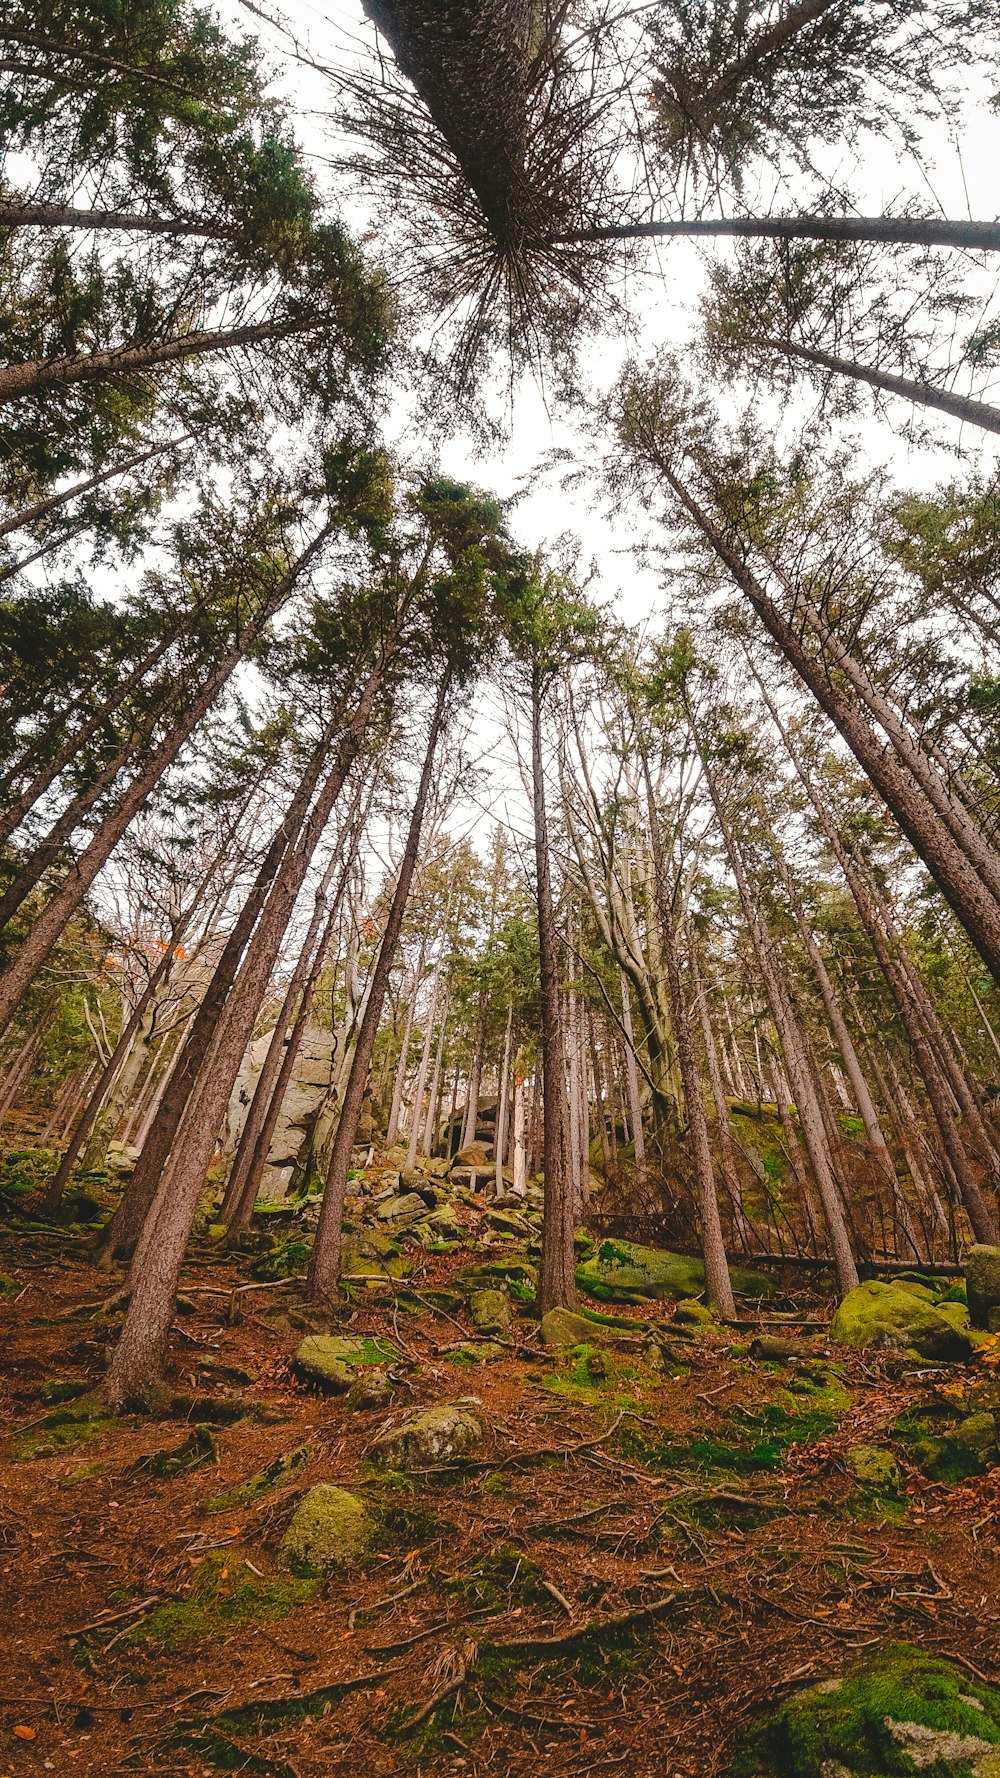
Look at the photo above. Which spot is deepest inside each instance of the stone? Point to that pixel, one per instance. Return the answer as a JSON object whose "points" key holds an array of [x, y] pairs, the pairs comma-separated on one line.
{"points": [[977, 1433], [478, 1352], [330, 1361], [874, 1468], [372, 1390], [982, 1282], [474, 1154], [694, 1314], [407, 1207], [436, 1435], [490, 1311], [901, 1316], [561, 1327], [621, 1271], [444, 1225], [897, 1710], [330, 1529]]}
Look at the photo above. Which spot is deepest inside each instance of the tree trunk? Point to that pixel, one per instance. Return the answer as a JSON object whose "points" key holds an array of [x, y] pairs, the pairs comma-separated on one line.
{"points": [[40, 374], [30, 515], [960, 407], [501, 1123], [632, 1076], [324, 1266], [141, 1351], [718, 1284], [914, 231], [27, 213], [403, 1065], [727, 1151], [20, 974], [962, 887], [557, 1280]]}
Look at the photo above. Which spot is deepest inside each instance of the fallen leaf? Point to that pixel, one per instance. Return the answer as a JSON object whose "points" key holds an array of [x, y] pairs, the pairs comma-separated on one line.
{"points": [[23, 1733]]}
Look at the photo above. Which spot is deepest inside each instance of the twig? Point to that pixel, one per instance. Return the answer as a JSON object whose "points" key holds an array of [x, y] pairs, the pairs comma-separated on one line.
{"points": [[560, 1598], [102, 1623], [613, 1625]]}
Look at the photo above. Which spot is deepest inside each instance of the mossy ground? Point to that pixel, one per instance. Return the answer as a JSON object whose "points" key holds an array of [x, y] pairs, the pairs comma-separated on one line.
{"points": [[603, 1484]]}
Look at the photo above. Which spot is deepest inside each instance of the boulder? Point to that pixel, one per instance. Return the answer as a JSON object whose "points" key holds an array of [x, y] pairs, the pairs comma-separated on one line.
{"points": [[434, 1436], [620, 1271], [407, 1207], [561, 1327], [329, 1361], [330, 1529], [898, 1710], [474, 1154], [693, 1314], [371, 1390], [478, 1352], [490, 1310], [901, 1316], [982, 1284], [874, 1468], [978, 1434]]}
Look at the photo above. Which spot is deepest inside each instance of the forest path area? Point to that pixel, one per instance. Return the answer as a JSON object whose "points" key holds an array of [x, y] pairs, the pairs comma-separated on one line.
{"points": [[647, 1542]]}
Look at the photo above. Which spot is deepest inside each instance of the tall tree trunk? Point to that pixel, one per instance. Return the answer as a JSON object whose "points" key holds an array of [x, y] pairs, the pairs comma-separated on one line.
{"points": [[960, 407], [557, 1281], [632, 1076], [403, 1064], [962, 887], [141, 1351], [499, 1154], [20, 974], [76, 368], [30, 515], [416, 1117], [790, 1038], [313, 944], [324, 1266], [435, 1092], [717, 1280], [913, 231], [727, 1151]]}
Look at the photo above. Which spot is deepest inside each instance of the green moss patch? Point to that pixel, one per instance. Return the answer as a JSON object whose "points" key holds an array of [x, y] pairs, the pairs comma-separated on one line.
{"points": [[199, 1447], [500, 1580], [898, 1711], [274, 1474], [225, 1592]]}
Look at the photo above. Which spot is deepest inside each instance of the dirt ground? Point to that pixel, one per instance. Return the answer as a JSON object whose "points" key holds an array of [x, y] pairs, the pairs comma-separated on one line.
{"points": [[627, 1571]]}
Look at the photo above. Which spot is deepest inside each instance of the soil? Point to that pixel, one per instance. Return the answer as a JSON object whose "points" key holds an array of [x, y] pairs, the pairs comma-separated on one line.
{"points": [[698, 1537]]}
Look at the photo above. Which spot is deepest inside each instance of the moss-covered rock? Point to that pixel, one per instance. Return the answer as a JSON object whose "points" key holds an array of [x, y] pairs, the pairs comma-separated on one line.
{"points": [[437, 1435], [621, 1271], [490, 1311], [330, 1361], [901, 1316], [331, 1528], [874, 1468], [899, 1711], [982, 1284], [369, 1391], [478, 1352], [693, 1314], [561, 1327]]}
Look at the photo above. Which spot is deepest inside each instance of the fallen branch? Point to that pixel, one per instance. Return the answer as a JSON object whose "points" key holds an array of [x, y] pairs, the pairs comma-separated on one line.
{"points": [[594, 1629]]}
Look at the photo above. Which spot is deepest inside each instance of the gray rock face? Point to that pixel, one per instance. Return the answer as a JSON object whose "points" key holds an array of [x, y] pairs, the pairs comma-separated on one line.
{"points": [[560, 1327], [307, 1091], [331, 1529], [434, 1436]]}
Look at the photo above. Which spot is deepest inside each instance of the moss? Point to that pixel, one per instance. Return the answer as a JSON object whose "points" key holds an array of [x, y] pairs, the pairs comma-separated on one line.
{"points": [[497, 1484], [199, 1447], [225, 1592], [289, 1260], [412, 1524], [846, 1724], [755, 1441], [56, 1390], [500, 1580], [331, 1528], [57, 1436], [281, 1469]]}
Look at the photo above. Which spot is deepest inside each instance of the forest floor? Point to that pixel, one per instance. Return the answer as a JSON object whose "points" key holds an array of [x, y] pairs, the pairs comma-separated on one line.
{"points": [[630, 1568]]}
